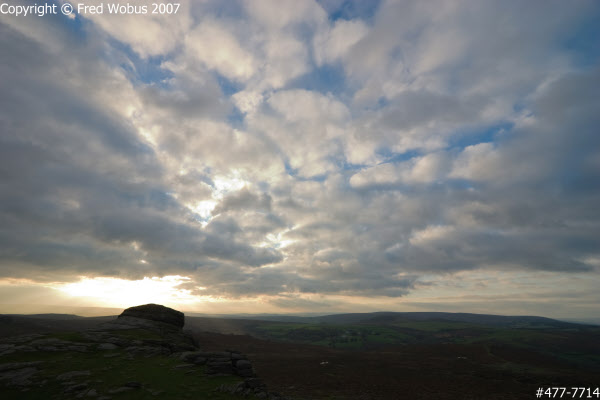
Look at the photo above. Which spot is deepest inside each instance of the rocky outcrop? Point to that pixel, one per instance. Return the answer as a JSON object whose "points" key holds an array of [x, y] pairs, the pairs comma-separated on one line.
{"points": [[221, 362], [150, 331], [152, 317], [19, 373], [155, 312]]}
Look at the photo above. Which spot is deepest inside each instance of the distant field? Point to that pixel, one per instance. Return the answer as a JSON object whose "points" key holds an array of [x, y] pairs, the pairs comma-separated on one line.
{"points": [[335, 336], [580, 344]]}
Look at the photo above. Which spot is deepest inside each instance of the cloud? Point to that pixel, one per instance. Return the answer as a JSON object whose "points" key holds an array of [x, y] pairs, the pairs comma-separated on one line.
{"points": [[336, 42], [244, 199], [218, 49], [152, 35], [286, 14], [86, 194], [294, 152], [430, 168]]}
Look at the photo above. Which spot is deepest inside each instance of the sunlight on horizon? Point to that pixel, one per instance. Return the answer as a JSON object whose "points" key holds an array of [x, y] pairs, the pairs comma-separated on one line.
{"points": [[121, 292]]}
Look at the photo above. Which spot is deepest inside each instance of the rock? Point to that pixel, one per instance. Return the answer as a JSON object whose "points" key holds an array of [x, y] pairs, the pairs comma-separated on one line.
{"points": [[184, 366], [6, 348], [164, 336], [120, 390], [18, 377], [76, 388], [243, 364], [189, 355], [199, 360], [50, 348], [155, 312], [195, 357], [147, 351], [214, 354], [24, 348], [49, 341], [219, 368], [245, 373], [78, 348], [23, 338], [72, 374], [254, 383], [251, 387], [19, 365]]}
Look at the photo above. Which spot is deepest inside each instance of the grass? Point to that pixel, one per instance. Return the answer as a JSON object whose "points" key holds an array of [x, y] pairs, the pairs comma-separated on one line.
{"points": [[157, 375], [434, 326], [338, 336], [139, 334], [68, 336]]}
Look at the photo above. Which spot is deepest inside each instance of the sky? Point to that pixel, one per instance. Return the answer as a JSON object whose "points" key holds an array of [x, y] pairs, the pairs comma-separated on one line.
{"points": [[284, 156]]}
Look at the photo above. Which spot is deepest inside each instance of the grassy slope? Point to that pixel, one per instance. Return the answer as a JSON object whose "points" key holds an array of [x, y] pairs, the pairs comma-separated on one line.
{"points": [[111, 369]]}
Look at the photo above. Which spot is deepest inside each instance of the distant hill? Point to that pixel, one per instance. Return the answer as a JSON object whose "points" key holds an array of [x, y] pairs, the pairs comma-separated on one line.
{"points": [[16, 324], [479, 319], [47, 316], [587, 321], [11, 324], [390, 318]]}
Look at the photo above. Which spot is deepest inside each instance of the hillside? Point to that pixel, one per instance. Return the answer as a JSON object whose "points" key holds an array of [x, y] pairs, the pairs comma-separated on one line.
{"points": [[368, 356], [399, 317], [141, 354]]}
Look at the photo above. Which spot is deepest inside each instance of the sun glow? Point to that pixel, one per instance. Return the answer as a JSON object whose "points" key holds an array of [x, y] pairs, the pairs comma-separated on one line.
{"points": [[115, 292], [226, 184], [204, 208], [277, 241], [222, 185]]}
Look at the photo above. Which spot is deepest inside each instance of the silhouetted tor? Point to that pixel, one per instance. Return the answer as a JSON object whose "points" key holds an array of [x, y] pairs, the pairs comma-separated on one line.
{"points": [[156, 312]]}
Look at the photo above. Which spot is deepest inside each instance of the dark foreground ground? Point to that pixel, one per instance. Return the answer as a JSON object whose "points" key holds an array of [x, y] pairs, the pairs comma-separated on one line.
{"points": [[389, 358], [432, 371]]}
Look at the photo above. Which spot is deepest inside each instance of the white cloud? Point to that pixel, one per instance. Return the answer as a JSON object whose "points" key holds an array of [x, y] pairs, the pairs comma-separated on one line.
{"points": [[247, 101], [286, 58], [474, 135], [298, 106], [218, 49], [148, 35], [334, 43], [280, 14], [426, 169], [478, 162], [431, 233]]}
